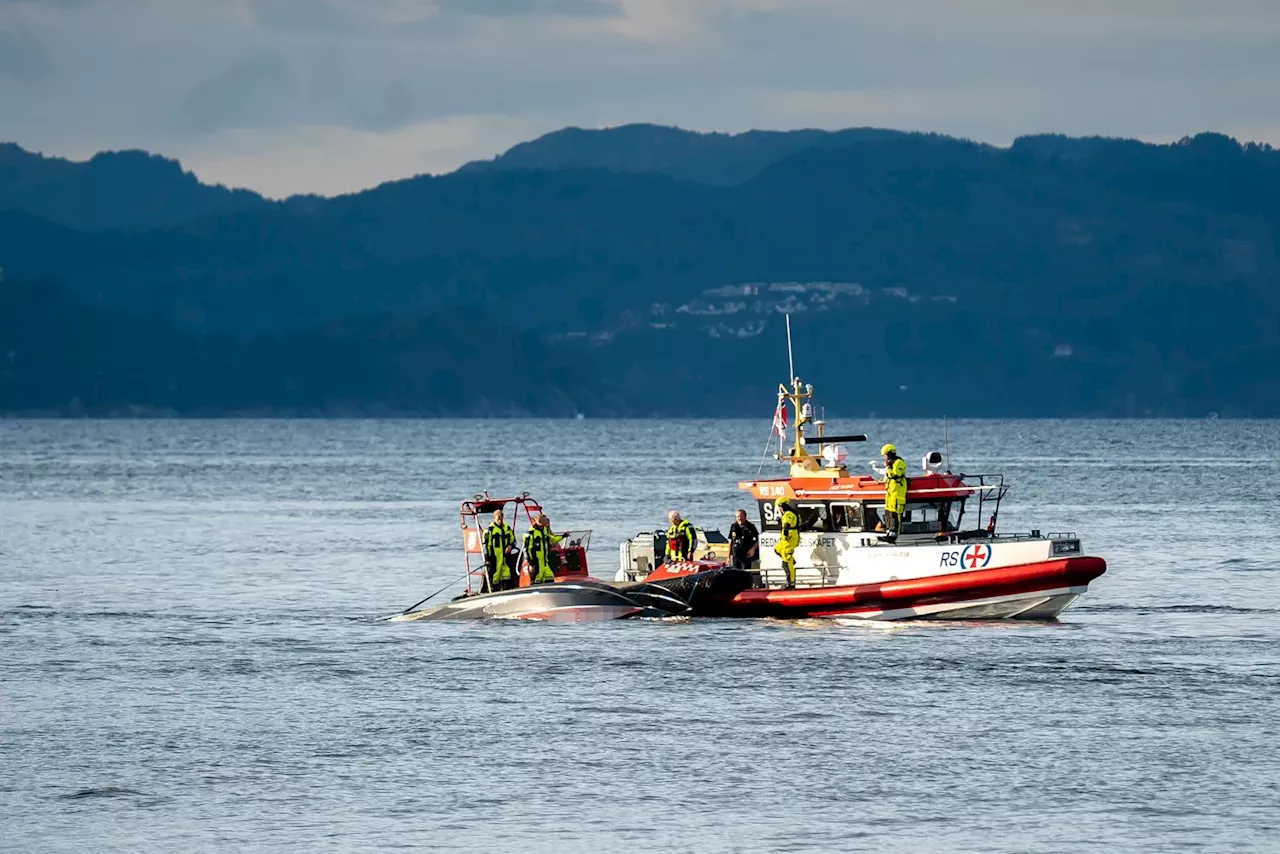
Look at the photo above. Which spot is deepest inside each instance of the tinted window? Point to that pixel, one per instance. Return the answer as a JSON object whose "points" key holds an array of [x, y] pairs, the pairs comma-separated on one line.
{"points": [[813, 515], [920, 519], [846, 517], [930, 517]]}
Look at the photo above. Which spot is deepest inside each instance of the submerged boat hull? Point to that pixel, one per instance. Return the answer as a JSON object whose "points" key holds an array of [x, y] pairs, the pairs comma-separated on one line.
{"points": [[568, 602], [1034, 591]]}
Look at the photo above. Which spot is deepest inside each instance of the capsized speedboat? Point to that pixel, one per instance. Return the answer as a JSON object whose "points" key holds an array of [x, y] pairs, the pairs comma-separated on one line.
{"points": [[569, 601], [940, 567], [574, 596]]}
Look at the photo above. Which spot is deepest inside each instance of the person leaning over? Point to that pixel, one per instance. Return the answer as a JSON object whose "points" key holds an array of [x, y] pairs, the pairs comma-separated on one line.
{"points": [[681, 538]]}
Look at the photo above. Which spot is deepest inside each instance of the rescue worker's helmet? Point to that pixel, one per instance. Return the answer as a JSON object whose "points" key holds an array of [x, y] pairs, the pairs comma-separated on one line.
{"points": [[888, 449], [779, 501]]}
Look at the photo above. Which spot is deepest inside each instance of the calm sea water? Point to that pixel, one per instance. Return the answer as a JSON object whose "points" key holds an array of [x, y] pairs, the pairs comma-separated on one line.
{"points": [[191, 659]]}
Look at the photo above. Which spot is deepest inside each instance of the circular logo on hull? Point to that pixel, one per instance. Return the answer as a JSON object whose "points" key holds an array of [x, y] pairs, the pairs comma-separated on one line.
{"points": [[975, 556]]}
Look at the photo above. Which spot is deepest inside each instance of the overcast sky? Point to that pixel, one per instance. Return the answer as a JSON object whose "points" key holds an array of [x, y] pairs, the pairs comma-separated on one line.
{"points": [[335, 95]]}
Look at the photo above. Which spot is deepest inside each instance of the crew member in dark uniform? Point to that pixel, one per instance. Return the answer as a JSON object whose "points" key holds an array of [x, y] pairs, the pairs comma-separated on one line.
{"points": [[744, 541]]}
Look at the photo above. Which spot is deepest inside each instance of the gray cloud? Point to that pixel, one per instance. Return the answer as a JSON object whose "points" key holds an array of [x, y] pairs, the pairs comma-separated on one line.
{"points": [[22, 56], [314, 15], [255, 90], [517, 8], [64, 4]]}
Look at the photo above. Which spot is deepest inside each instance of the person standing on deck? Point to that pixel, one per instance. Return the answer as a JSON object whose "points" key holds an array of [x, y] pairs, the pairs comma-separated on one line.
{"points": [[500, 553], [789, 540], [895, 492], [537, 550], [681, 538], [744, 541]]}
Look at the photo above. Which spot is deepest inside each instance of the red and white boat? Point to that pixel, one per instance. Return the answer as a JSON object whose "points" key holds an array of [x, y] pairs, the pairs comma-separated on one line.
{"points": [[942, 566]]}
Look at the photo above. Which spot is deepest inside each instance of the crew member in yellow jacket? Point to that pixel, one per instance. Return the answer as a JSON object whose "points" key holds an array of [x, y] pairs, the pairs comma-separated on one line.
{"points": [[895, 492], [537, 551], [789, 540], [500, 553], [682, 539]]}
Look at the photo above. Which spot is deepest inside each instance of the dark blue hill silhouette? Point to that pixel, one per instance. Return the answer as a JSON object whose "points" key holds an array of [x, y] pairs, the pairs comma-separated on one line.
{"points": [[709, 158], [1208, 170], [1056, 277], [61, 356], [123, 190]]}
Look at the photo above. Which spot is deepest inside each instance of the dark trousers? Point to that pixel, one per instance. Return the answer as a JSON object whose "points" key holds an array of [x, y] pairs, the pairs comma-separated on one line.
{"points": [[892, 524], [741, 560]]}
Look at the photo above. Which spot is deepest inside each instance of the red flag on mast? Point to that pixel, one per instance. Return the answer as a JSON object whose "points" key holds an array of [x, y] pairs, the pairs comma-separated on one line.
{"points": [[780, 419]]}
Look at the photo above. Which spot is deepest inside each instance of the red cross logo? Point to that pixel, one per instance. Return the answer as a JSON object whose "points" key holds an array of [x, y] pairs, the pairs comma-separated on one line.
{"points": [[976, 556]]}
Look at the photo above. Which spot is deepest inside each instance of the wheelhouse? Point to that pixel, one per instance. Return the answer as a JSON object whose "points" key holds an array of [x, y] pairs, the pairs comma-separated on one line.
{"points": [[937, 504], [853, 516]]}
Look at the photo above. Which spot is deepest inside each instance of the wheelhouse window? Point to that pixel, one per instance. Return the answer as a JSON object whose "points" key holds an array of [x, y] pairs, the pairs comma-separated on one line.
{"points": [[919, 517], [872, 517], [949, 513], [846, 517], [813, 515]]}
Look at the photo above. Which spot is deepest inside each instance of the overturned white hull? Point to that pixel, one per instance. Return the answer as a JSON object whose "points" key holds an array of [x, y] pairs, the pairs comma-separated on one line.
{"points": [[570, 601]]}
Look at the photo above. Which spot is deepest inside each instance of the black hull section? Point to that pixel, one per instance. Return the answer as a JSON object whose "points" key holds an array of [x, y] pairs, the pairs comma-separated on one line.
{"points": [[658, 601], [709, 590]]}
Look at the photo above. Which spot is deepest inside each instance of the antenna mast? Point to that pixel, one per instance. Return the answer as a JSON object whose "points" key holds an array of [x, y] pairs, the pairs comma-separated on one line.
{"points": [[791, 363], [946, 444]]}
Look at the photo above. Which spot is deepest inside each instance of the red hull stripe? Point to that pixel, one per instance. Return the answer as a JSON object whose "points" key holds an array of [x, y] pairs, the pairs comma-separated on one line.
{"points": [[915, 592]]}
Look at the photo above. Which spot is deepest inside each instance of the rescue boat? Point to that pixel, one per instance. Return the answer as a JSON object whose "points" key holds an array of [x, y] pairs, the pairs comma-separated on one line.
{"points": [[945, 563]]}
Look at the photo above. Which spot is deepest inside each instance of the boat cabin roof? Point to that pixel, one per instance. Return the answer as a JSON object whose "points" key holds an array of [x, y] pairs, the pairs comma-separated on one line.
{"points": [[483, 505], [927, 486]]}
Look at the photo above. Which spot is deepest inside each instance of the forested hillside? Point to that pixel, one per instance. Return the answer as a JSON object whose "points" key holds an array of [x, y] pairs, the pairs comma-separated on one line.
{"points": [[645, 270]]}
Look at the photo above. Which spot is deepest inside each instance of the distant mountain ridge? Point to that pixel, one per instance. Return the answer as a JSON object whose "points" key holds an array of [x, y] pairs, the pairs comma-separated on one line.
{"points": [[151, 191], [117, 190], [709, 158], [1054, 277]]}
